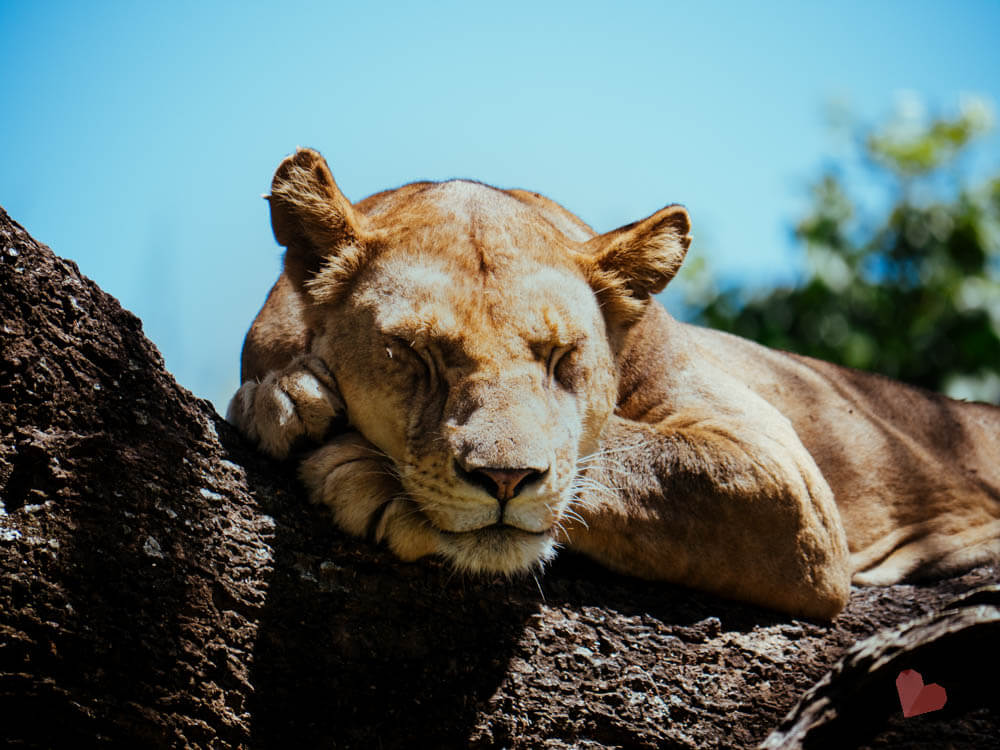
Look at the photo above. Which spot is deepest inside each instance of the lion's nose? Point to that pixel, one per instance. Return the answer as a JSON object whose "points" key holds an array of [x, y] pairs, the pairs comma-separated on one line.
{"points": [[503, 484]]}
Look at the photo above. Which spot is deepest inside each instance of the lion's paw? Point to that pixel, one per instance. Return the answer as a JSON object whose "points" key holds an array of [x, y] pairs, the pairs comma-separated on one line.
{"points": [[357, 482], [407, 531], [300, 401]]}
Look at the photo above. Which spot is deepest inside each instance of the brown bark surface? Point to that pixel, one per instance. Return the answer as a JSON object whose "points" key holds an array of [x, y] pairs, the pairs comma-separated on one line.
{"points": [[856, 703], [162, 585]]}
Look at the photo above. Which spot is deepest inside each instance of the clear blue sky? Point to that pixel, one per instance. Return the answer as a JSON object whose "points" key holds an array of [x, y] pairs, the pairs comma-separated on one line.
{"points": [[137, 138]]}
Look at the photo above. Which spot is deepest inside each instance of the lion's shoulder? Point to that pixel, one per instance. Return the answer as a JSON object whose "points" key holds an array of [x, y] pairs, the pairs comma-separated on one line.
{"points": [[277, 335]]}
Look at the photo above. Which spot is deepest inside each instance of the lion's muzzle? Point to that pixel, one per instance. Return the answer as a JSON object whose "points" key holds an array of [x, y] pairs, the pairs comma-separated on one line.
{"points": [[503, 484]]}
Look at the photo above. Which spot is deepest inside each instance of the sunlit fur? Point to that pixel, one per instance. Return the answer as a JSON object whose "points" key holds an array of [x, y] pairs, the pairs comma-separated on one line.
{"points": [[483, 397], [445, 328]]}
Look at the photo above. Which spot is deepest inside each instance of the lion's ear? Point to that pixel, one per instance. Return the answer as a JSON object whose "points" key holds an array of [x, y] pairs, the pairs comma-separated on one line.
{"points": [[627, 265], [318, 225]]}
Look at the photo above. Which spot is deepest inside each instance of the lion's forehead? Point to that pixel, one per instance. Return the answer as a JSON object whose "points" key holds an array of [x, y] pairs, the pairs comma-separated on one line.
{"points": [[428, 296], [473, 225], [471, 199]]}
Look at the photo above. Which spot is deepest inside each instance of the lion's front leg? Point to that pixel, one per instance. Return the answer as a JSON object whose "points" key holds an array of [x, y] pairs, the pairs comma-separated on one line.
{"points": [[357, 482], [722, 506], [300, 401]]}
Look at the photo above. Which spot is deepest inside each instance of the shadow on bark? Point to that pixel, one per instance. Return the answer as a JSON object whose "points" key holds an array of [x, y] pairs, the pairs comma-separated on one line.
{"points": [[359, 650]]}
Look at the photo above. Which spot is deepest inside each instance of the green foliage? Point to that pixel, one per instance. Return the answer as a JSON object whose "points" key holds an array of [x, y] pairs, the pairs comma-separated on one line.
{"points": [[912, 291]]}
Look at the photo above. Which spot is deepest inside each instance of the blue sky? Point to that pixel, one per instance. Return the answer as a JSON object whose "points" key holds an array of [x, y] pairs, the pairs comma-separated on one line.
{"points": [[137, 138]]}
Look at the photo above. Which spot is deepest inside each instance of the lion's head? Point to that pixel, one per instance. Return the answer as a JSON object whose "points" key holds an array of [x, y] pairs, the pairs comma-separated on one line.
{"points": [[472, 340]]}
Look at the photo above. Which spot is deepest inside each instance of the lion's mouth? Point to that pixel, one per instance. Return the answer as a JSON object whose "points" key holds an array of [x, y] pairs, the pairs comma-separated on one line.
{"points": [[497, 530], [497, 548]]}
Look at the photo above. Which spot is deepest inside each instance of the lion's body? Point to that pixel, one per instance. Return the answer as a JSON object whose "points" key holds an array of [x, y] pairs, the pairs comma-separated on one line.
{"points": [[916, 475], [509, 383]]}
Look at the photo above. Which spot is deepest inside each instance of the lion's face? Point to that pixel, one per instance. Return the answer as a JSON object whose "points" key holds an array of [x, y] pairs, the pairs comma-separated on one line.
{"points": [[478, 362], [470, 341]]}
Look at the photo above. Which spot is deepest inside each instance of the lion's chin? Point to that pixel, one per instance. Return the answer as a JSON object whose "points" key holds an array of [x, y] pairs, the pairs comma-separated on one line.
{"points": [[498, 549]]}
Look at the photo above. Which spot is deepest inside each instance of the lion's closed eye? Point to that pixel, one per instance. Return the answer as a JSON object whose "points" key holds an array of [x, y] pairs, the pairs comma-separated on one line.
{"points": [[562, 366], [416, 357]]}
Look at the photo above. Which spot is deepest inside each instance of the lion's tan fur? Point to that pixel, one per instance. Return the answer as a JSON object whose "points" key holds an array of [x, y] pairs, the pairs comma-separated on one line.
{"points": [[468, 332]]}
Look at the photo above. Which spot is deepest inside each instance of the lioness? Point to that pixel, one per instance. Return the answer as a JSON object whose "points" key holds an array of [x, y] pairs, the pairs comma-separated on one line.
{"points": [[504, 383]]}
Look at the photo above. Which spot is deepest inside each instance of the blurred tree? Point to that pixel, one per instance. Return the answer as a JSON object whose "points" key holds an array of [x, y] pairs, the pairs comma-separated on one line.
{"points": [[912, 292]]}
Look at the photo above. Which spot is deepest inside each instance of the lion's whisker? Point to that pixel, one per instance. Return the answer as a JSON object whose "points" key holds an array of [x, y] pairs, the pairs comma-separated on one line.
{"points": [[574, 516], [538, 584], [562, 530], [598, 488]]}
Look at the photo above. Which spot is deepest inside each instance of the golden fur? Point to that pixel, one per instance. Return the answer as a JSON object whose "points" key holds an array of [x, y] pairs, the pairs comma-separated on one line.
{"points": [[509, 385]]}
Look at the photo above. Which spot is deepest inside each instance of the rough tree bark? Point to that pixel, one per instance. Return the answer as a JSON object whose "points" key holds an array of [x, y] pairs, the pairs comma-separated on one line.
{"points": [[856, 702], [162, 585]]}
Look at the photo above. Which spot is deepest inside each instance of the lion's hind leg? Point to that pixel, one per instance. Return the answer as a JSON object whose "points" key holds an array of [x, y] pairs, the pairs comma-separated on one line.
{"points": [[924, 551]]}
